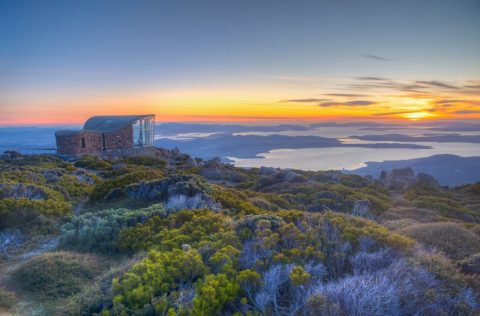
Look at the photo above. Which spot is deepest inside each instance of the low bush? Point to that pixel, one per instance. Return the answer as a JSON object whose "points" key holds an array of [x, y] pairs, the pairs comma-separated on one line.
{"points": [[22, 212], [97, 295], [145, 161], [92, 162], [101, 190], [399, 289], [234, 200], [445, 206], [98, 232], [55, 274], [74, 187], [453, 239]]}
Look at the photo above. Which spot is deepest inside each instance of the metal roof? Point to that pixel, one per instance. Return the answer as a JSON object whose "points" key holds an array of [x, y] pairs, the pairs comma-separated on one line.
{"points": [[112, 123]]}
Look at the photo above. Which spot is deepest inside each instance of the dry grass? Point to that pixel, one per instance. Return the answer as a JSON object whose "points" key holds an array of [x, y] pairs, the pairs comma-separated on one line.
{"points": [[55, 274], [453, 239]]}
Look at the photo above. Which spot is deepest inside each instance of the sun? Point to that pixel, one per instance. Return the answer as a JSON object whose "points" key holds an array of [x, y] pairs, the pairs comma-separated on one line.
{"points": [[417, 115]]}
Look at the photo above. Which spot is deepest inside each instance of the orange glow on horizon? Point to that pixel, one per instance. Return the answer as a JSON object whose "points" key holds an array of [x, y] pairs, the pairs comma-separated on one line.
{"points": [[249, 104]]}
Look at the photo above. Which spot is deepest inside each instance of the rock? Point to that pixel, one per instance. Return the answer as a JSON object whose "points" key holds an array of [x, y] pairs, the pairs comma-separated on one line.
{"points": [[399, 180], [189, 188], [427, 181]]}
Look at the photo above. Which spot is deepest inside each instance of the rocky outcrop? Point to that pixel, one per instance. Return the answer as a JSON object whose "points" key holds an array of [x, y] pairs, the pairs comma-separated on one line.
{"points": [[192, 190], [427, 181], [402, 180], [399, 180]]}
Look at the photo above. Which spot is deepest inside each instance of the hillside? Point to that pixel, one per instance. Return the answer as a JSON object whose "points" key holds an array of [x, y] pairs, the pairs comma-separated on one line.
{"points": [[449, 170], [170, 234]]}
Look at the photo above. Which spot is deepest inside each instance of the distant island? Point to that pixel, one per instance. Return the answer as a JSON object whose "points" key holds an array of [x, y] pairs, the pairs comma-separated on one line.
{"points": [[449, 170], [249, 146]]}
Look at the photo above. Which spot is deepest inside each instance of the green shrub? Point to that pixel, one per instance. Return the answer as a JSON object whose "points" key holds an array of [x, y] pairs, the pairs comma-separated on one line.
{"points": [[55, 274], [145, 161], [445, 206], [352, 228], [213, 294], [99, 231], [22, 212], [92, 162], [74, 187], [234, 200], [101, 190], [184, 227], [157, 274]]}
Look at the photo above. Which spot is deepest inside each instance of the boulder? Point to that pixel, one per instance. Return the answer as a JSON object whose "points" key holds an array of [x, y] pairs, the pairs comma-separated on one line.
{"points": [[399, 180]]}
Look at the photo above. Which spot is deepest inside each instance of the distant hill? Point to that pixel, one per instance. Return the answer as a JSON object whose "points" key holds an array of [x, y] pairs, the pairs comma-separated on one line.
{"points": [[20, 138], [449, 170]]}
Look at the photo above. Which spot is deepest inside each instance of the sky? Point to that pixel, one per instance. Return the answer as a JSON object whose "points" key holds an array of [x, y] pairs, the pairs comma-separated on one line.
{"points": [[239, 60]]}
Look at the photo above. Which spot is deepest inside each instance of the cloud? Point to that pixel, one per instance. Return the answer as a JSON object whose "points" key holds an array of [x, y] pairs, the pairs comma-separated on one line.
{"points": [[360, 102], [392, 113], [415, 86], [444, 101], [474, 86], [376, 57], [305, 100], [349, 103], [467, 112], [437, 84], [372, 78], [327, 104], [344, 95]]}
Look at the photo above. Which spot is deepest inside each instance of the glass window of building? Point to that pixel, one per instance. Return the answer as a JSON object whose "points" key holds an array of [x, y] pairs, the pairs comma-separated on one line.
{"points": [[144, 132]]}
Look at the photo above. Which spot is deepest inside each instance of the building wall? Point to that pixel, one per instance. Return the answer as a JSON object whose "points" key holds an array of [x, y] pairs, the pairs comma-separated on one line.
{"points": [[120, 139], [95, 142], [71, 144]]}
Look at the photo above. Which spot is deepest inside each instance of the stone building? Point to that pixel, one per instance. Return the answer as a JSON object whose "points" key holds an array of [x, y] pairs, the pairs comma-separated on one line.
{"points": [[107, 133]]}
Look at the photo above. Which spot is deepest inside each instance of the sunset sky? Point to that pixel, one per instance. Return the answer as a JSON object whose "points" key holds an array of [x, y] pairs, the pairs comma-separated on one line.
{"points": [[248, 60]]}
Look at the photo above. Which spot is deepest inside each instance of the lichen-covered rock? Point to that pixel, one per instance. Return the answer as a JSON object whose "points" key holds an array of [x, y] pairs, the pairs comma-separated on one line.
{"points": [[165, 190], [399, 180]]}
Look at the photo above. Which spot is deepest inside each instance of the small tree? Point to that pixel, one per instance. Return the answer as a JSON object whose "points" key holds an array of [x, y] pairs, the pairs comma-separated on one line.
{"points": [[213, 294]]}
